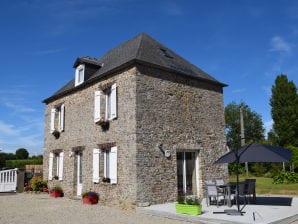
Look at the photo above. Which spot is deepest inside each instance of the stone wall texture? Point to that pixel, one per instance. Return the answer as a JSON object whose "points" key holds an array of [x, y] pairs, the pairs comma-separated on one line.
{"points": [[154, 107]]}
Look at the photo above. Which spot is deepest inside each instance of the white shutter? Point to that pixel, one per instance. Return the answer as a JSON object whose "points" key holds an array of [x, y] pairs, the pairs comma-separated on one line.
{"points": [[61, 118], [96, 165], [97, 106], [113, 101], [60, 174], [105, 164], [53, 112], [51, 158], [113, 165]]}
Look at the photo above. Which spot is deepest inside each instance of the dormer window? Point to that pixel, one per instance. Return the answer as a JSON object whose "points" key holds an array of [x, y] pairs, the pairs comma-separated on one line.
{"points": [[79, 79]]}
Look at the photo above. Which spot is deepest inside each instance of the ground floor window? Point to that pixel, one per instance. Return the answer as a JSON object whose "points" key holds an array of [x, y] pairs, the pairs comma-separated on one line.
{"points": [[187, 178], [105, 165], [56, 166]]}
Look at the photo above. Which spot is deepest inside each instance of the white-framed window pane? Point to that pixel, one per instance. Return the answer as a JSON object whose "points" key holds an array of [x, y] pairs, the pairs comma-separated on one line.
{"points": [[108, 104], [81, 76]]}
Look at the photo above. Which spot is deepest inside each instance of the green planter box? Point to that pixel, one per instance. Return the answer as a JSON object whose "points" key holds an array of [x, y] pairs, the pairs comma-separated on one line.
{"points": [[188, 209]]}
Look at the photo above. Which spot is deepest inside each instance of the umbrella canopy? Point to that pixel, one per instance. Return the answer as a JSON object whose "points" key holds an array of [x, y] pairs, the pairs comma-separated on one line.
{"points": [[254, 153], [257, 153]]}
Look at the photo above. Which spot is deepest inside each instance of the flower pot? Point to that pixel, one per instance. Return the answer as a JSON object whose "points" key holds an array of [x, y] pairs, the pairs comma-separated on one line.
{"points": [[90, 200], [56, 194], [188, 209]]}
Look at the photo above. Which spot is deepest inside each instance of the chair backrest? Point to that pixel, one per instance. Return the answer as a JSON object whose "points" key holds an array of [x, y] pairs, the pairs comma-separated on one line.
{"points": [[242, 188], [219, 182], [211, 190], [250, 185], [208, 182]]}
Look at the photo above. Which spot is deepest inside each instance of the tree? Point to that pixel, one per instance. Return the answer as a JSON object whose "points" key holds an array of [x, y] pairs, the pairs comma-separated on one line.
{"points": [[22, 153], [284, 111], [253, 125]]}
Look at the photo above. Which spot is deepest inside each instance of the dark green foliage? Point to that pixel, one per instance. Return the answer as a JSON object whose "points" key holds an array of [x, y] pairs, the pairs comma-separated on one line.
{"points": [[22, 162], [258, 169], [22, 153], [181, 199], [285, 177], [253, 125], [284, 111]]}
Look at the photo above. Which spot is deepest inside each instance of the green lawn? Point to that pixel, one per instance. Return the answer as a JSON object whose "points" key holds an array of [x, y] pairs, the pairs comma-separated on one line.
{"points": [[265, 185]]}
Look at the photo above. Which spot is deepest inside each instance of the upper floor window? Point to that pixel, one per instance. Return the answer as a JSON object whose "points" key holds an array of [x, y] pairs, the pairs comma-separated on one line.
{"points": [[105, 103], [57, 118], [79, 79]]}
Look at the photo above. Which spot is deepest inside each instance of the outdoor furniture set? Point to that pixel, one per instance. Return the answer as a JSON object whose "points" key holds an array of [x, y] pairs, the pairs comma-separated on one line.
{"points": [[219, 192]]}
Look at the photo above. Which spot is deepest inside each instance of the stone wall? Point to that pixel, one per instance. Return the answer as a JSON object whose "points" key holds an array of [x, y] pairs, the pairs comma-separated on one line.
{"points": [[81, 133], [154, 107], [182, 114]]}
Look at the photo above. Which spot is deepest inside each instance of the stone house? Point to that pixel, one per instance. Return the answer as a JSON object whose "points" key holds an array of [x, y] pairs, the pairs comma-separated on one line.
{"points": [[140, 124]]}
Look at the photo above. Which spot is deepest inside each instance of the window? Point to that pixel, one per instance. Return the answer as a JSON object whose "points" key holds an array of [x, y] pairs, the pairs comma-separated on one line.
{"points": [[57, 118], [56, 166], [79, 78], [109, 164], [108, 110]]}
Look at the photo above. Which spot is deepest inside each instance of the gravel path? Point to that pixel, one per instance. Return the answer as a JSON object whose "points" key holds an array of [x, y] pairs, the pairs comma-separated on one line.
{"points": [[42, 209]]}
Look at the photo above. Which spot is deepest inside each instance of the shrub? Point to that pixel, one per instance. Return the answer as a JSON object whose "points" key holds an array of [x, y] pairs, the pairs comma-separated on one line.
{"points": [[56, 188], [285, 177], [189, 200], [20, 163], [38, 184]]}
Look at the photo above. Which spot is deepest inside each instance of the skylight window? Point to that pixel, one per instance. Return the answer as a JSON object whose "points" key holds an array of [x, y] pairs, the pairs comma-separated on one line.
{"points": [[166, 53]]}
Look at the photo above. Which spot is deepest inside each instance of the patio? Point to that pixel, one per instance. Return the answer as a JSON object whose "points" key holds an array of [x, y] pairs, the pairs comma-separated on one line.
{"points": [[268, 209]]}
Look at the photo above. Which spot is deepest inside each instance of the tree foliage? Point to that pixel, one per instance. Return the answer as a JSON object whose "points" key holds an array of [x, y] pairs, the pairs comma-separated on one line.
{"points": [[253, 125], [284, 111], [22, 153]]}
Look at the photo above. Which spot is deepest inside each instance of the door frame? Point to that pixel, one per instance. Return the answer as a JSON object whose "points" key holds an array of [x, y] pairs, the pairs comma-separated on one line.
{"points": [[79, 158], [184, 169]]}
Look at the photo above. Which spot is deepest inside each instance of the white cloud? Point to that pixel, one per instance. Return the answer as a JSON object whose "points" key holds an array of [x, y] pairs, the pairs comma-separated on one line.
{"points": [[268, 126], [280, 45], [267, 90], [8, 129], [172, 9], [239, 90]]}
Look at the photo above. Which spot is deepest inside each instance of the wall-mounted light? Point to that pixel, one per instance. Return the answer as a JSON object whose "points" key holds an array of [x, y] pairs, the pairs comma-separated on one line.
{"points": [[167, 153]]}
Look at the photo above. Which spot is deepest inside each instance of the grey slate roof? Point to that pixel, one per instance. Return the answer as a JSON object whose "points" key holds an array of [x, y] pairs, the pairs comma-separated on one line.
{"points": [[141, 49]]}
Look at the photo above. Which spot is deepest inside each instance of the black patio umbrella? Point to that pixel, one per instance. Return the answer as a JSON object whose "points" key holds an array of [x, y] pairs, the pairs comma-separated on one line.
{"points": [[254, 153]]}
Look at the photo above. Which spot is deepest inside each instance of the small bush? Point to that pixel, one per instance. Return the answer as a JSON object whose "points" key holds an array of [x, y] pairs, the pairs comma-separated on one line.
{"points": [[38, 184], [56, 188], [285, 177]]}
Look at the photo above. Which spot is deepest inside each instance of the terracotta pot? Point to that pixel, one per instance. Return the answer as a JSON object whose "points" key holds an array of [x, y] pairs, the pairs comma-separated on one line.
{"points": [[56, 194], [89, 200]]}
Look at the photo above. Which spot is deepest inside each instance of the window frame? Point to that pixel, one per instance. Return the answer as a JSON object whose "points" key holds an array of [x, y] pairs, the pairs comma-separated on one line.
{"points": [[80, 75]]}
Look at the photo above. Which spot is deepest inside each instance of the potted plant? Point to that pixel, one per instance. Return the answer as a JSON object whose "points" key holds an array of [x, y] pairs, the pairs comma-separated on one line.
{"points": [[90, 198], [106, 180], [190, 205], [56, 134], [104, 123], [56, 192]]}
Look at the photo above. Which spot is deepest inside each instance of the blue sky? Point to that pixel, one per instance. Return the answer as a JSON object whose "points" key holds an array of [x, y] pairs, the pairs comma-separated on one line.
{"points": [[245, 44]]}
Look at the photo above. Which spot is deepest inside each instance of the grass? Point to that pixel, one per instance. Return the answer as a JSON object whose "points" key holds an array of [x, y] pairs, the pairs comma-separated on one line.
{"points": [[264, 185]]}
